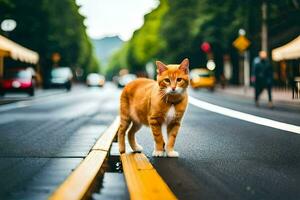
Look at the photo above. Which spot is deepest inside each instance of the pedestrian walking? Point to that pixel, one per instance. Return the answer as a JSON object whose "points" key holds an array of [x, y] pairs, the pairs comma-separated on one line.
{"points": [[262, 77]]}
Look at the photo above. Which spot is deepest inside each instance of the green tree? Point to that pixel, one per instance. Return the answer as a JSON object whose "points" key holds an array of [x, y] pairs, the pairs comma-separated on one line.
{"points": [[118, 61], [51, 26], [176, 29], [146, 42], [144, 46]]}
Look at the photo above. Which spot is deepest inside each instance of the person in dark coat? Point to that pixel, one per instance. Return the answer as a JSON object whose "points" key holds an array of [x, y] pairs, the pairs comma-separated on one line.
{"points": [[262, 76]]}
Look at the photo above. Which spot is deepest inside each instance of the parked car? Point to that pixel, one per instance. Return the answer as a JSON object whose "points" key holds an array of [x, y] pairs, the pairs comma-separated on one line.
{"points": [[61, 77], [125, 79], [202, 78], [17, 80], [96, 80]]}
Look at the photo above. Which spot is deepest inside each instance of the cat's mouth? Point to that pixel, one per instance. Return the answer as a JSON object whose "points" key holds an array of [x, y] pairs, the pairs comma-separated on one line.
{"points": [[174, 92]]}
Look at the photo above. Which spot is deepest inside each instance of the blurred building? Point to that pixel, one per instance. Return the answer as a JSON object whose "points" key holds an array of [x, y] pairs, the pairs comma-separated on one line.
{"points": [[287, 58]]}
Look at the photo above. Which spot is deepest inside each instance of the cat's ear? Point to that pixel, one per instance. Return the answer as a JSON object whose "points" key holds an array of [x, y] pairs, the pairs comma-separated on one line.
{"points": [[161, 67], [184, 65]]}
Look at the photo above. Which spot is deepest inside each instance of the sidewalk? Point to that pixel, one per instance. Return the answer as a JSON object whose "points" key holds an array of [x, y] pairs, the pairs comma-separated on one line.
{"points": [[278, 95]]}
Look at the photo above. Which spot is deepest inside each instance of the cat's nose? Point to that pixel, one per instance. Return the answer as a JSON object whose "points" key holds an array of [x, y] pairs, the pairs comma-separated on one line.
{"points": [[173, 88]]}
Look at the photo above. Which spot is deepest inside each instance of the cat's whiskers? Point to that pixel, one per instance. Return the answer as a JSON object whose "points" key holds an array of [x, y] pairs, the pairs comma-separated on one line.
{"points": [[163, 95]]}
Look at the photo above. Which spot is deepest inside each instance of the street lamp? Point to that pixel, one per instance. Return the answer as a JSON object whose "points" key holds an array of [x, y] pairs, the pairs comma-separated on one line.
{"points": [[8, 25], [264, 27], [242, 32], [242, 44]]}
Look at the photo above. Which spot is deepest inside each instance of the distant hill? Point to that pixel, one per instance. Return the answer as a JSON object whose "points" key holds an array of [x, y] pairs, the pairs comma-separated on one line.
{"points": [[105, 47]]}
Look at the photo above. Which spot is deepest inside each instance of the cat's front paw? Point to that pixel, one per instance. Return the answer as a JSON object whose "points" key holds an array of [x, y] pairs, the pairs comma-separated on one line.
{"points": [[173, 154], [158, 153], [138, 148]]}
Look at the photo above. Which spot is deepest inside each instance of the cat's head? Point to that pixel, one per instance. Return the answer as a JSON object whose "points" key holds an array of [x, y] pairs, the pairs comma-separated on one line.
{"points": [[173, 79]]}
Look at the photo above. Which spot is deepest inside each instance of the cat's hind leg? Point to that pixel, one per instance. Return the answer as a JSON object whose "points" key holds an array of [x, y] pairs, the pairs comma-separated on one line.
{"points": [[131, 137], [125, 121], [124, 124]]}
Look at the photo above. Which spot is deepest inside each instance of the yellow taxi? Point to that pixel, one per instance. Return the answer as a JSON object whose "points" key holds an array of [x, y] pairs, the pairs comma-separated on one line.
{"points": [[202, 78]]}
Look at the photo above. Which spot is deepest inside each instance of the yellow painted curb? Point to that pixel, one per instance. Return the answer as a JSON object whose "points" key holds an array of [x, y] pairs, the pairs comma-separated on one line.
{"points": [[142, 179], [106, 139], [79, 183]]}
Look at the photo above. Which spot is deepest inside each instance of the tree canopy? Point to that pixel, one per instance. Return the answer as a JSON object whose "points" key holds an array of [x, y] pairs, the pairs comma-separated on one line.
{"points": [[51, 27], [176, 29]]}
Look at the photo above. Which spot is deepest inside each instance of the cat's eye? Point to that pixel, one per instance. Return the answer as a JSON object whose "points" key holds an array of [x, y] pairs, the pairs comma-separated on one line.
{"points": [[179, 79], [167, 80]]}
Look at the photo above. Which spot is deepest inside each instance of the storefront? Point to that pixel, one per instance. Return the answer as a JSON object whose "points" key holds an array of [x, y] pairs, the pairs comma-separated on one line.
{"points": [[288, 59], [15, 51]]}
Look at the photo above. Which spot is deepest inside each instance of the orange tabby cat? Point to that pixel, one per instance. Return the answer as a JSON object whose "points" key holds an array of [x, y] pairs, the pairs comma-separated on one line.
{"points": [[154, 103]]}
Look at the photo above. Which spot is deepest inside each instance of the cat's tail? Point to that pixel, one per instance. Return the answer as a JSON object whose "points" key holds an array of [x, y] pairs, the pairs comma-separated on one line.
{"points": [[124, 120]]}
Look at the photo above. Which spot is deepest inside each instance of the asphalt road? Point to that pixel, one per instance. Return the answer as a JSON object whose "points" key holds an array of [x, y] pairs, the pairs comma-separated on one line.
{"points": [[227, 158], [39, 93], [43, 139]]}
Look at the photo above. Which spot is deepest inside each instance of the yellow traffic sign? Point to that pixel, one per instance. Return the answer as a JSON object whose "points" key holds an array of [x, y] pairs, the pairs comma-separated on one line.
{"points": [[241, 43]]}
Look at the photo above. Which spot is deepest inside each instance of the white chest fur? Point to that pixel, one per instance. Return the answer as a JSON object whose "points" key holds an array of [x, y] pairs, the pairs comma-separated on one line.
{"points": [[171, 114]]}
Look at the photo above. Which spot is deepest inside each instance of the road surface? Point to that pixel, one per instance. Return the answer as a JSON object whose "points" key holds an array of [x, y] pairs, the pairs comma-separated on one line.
{"points": [[221, 156], [227, 158], [43, 139]]}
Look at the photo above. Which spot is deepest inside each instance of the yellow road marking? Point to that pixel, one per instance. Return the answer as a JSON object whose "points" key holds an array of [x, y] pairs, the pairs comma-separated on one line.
{"points": [[105, 140], [142, 179], [79, 183]]}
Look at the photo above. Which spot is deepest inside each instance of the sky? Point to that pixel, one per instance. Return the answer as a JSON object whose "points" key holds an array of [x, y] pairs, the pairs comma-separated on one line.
{"points": [[114, 17]]}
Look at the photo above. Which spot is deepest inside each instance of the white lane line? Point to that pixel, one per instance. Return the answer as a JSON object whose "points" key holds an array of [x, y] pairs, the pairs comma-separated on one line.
{"points": [[244, 116]]}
